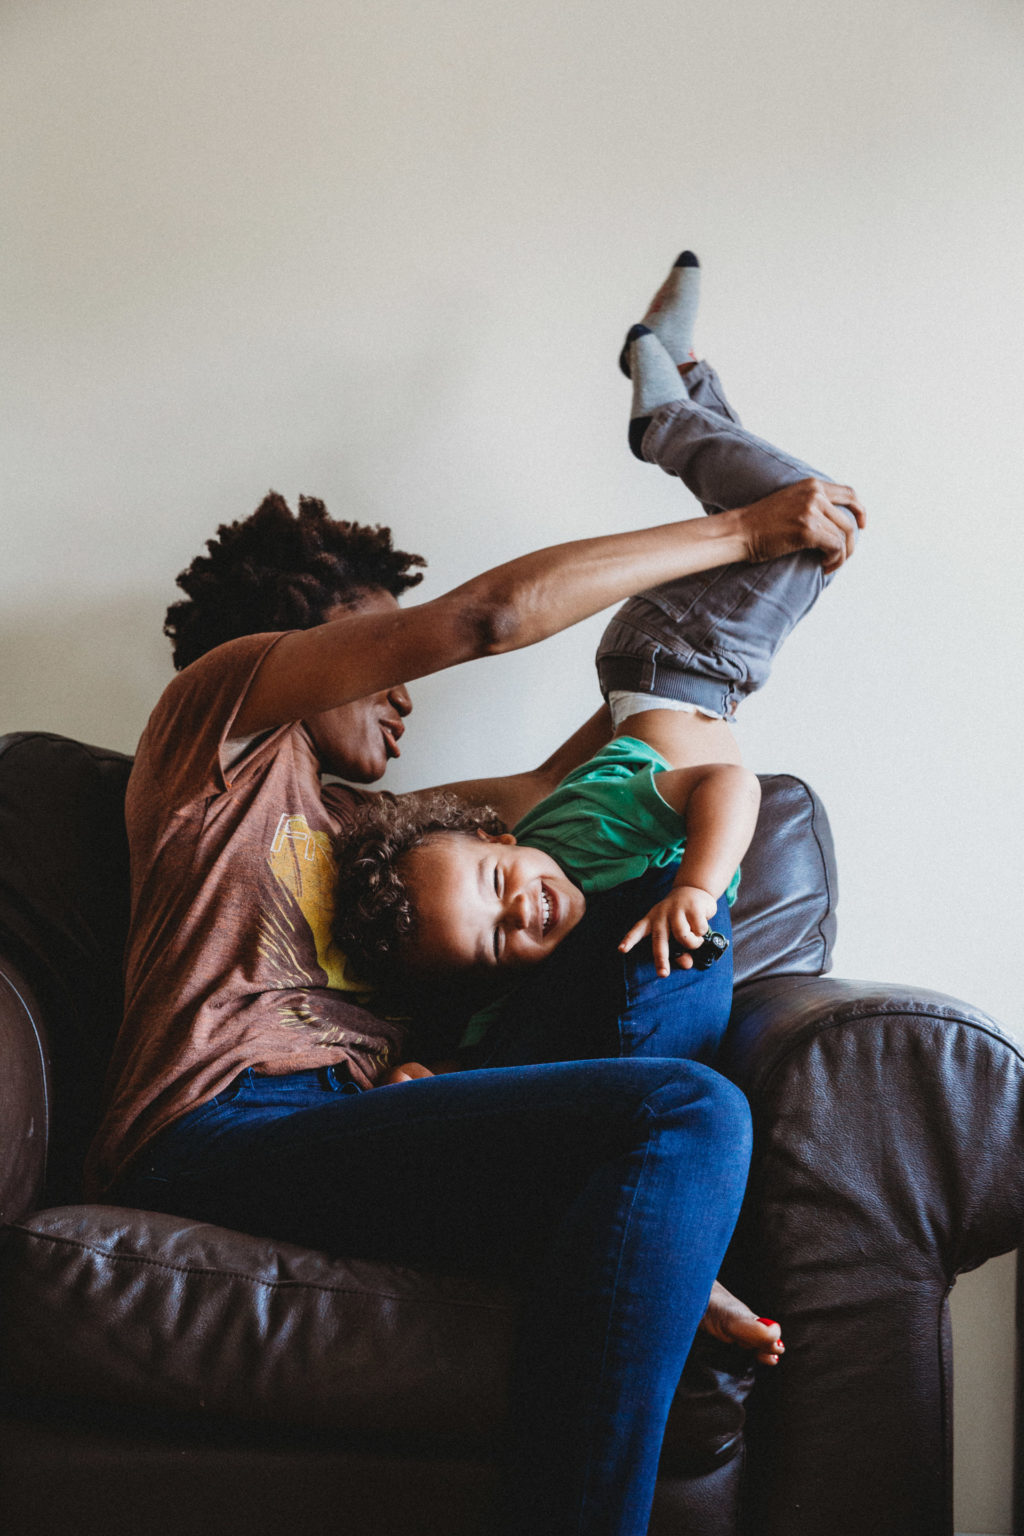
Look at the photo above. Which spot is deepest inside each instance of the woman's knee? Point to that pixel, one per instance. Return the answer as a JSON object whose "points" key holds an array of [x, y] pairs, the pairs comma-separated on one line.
{"points": [[707, 1104], [692, 1086]]}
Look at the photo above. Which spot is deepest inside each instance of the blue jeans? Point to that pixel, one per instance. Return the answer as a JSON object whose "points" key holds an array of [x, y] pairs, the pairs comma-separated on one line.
{"points": [[607, 1188], [588, 1000], [709, 639]]}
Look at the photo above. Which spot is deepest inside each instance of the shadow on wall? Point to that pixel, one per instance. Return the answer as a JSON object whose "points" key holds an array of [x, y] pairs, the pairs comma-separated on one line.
{"points": [[92, 671]]}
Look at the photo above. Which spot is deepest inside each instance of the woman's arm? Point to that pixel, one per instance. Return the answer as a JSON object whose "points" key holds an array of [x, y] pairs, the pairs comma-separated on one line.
{"points": [[513, 794], [720, 802], [526, 600]]}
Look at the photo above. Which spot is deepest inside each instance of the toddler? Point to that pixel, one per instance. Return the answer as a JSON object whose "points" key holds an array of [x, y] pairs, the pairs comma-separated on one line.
{"points": [[431, 888]]}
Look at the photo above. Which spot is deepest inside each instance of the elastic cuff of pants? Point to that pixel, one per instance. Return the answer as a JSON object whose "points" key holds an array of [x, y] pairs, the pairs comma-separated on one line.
{"points": [[637, 431], [636, 674], [696, 375], [654, 427]]}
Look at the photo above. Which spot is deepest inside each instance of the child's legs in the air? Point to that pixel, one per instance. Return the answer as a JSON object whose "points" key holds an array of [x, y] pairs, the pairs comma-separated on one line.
{"points": [[700, 439], [704, 387], [709, 639]]}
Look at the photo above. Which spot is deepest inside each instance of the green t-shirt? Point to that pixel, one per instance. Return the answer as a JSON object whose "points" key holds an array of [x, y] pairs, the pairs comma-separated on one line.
{"points": [[605, 824]]}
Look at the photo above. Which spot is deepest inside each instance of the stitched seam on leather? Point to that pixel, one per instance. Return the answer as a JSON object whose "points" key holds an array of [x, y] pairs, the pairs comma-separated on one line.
{"points": [[42, 1073], [847, 1013], [238, 1274], [824, 868], [15, 739]]}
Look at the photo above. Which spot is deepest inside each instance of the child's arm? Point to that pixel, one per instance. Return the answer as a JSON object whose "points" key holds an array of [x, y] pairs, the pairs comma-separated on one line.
{"points": [[720, 802]]}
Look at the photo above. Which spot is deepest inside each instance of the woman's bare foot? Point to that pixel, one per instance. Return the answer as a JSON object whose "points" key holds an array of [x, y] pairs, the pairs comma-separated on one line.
{"points": [[730, 1321]]}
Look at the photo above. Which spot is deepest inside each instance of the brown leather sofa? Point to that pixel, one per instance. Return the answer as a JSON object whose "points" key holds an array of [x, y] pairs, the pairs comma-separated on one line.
{"points": [[166, 1378]]}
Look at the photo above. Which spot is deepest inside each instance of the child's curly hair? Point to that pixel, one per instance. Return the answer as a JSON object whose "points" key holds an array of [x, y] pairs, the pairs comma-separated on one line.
{"points": [[279, 570], [375, 918]]}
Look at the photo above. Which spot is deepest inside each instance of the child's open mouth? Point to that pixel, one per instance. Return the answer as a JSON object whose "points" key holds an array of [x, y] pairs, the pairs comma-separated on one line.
{"points": [[547, 912]]}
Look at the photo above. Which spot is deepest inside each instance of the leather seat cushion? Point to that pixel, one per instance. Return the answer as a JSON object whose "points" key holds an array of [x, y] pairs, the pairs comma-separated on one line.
{"points": [[138, 1309], [141, 1311]]}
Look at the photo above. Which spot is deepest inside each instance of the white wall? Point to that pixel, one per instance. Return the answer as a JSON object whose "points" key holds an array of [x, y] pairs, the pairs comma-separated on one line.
{"points": [[385, 254]]}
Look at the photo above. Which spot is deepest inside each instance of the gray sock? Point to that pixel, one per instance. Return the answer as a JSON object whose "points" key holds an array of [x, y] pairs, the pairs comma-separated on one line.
{"points": [[655, 378], [673, 311]]}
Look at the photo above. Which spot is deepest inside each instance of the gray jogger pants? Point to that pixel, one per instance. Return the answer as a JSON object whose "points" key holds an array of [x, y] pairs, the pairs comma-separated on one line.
{"points": [[709, 639]]}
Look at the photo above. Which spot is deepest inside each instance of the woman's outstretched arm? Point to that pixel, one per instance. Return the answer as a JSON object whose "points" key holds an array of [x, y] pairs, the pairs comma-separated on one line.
{"points": [[528, 599]]}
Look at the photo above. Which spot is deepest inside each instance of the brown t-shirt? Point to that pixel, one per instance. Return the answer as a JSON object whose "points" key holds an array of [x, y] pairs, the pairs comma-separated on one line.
{"points": [[230, 962]]}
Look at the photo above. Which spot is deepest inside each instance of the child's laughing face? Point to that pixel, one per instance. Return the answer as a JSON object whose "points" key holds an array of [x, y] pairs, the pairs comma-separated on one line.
{"points": [[487, 902]]}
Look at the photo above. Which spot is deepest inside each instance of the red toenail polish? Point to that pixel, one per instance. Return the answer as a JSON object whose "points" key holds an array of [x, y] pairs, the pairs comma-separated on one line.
{"points": [[769, 1322]]}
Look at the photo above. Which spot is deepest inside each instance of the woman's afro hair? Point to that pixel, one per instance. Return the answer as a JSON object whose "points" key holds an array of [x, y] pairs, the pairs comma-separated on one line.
{"points": [[375, 918], [280, 570]]}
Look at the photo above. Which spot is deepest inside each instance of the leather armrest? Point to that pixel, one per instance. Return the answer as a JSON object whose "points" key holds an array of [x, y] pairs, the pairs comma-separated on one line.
{"points": [[889, 1133], [24, 1095], [838, 1057]]}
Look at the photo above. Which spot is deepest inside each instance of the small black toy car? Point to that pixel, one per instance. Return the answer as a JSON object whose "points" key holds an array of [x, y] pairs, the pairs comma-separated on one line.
{"points": [[712, 949]]}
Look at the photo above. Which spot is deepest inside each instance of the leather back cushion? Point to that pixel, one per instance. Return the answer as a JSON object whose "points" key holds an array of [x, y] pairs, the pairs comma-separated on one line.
{"points": [[784, 919], [64, 916], [64, 872]]}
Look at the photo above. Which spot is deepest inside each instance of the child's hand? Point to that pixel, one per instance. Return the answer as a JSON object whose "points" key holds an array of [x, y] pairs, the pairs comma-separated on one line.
{"points": [[683, 916], [405, 1073]]}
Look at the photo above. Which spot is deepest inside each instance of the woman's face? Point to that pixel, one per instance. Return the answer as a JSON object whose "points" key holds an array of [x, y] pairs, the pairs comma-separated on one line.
{"points": [[358, 740]]}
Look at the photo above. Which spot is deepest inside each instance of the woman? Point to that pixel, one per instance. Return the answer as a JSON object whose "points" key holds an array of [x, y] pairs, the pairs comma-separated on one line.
{"points": [[240, 1075]]}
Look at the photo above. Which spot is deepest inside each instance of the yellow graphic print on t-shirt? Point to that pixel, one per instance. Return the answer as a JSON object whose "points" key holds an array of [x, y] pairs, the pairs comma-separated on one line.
{"points": [[302, 861]]}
